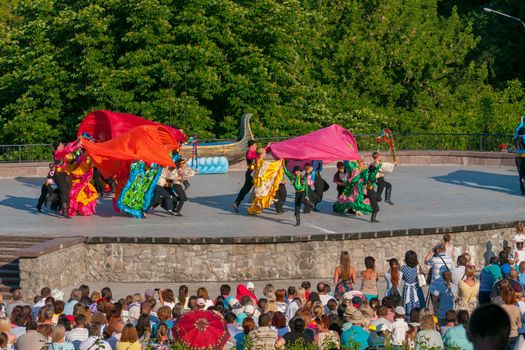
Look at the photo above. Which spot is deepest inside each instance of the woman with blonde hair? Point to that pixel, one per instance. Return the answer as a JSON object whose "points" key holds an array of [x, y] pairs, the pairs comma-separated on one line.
{"points": [[5, 327], [129, 339], [344, 276], [468, 290], [57, 339], [271, 306], [428, 337], [301, 294]]}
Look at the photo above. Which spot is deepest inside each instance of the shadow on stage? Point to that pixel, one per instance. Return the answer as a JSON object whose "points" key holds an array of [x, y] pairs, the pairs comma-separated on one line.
{"points": [[482, 180], [25, 204]]}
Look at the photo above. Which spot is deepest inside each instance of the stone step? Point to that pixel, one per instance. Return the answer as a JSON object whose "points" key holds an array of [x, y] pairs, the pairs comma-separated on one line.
{"points": [[7, 258], [10, 280], [11, 266], [8, 272], [23, 239], [17, 244]]}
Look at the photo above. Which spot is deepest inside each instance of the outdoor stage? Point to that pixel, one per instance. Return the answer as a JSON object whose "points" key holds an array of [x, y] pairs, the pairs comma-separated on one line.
{"points": [[479, 206], [424, 196]]}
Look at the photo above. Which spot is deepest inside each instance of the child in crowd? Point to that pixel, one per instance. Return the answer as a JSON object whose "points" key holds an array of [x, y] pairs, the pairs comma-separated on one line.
{"points": [[399, 327], [450, 317], [47, 193], [340, 178]]}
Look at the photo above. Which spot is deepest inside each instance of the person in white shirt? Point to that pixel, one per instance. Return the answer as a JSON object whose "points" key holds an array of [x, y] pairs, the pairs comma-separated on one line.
{"points": [[44, 294], [94, 338], [399, 326], [79, 333], [322, 290], [382, 313], [380, 177], [458, 274], [519, 250]]}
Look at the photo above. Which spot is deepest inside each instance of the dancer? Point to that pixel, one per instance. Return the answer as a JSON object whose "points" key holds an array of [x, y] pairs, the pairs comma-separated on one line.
{"points": [[372, 195], [280, 197], [313, 198], [266, 179], [301, 191], [180, 181], [161, 194], [83, 195], [340, 178], [381, 183], [60, 156], [47, 192], [251, 159]]}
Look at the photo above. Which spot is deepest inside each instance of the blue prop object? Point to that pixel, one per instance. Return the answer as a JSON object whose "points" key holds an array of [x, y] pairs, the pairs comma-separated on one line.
{"points": [[211, 165]]}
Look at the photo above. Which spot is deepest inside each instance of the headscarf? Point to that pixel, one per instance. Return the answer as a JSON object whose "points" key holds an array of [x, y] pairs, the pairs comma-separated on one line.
{"points": [[242, 291]]}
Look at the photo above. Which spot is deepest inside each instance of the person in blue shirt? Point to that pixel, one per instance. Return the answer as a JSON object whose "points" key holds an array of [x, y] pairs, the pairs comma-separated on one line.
{"points": [[248, 325], [456, 337], [356, 337]]}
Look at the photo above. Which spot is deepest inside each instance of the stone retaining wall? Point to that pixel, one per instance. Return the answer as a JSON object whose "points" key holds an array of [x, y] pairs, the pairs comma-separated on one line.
{"points": [[58, 269], [179, 262]]}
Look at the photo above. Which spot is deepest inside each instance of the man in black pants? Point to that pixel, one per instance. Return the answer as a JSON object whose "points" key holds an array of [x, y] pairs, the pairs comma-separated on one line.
{"points": [[301, 191], [280, 197], [183, 173], [381, 183], [371, 193], [251, 160], [520, 158]]}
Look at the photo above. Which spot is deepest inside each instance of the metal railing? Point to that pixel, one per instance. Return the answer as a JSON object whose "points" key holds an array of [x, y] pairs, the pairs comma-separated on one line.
{"points": [[365, 142]]}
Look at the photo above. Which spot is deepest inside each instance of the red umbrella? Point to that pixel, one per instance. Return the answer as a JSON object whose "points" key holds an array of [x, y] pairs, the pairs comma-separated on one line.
{"points": [[201, 330]]}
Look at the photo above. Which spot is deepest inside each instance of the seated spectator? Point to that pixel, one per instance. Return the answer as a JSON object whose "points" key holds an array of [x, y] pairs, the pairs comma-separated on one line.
{"points": [[356, 336], [428, 337], [129, 339], [74, 299], [484, 333], [326, 338], [58, 342], [456, 337], [5, 327], [297, 336], [263, 338], [279, 323], [241, 339], [115, 337], [79, 333], [382, 312], [94, 331], [450, 318], [31, 339], [17, 298]]}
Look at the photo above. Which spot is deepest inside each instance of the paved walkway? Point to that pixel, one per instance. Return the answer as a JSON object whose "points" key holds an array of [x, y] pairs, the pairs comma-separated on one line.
{"points": [[424, 196]]}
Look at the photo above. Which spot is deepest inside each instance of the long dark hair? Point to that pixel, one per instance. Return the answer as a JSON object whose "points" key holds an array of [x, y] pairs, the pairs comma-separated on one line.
{"points": [[411, 258]]}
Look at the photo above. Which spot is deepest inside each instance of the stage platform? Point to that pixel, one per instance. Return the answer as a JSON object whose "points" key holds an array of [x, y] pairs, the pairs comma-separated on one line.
{"points": [[424, 197]]}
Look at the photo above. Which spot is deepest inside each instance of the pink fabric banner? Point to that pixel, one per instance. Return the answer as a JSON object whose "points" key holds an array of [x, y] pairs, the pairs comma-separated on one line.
{"points": [[330, 144]]}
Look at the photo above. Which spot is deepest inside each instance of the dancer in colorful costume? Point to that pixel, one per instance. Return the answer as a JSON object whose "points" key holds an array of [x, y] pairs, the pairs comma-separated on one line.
{"points": [[60, 177], [301, 191], [83, 195], [356, 193], [180, 183], [381, 182], [266, 180]]}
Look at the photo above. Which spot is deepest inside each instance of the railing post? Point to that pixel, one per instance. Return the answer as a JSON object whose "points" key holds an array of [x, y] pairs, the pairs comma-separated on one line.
{"points": [[19, 153], [481, 143]]}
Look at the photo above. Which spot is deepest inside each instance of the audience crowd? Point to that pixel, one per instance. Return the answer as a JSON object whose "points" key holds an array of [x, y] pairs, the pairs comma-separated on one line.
{"points": [[452, 306]]}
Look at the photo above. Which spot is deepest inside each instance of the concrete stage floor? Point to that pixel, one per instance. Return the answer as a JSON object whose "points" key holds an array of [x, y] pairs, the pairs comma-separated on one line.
{"points": [[424, 196]]}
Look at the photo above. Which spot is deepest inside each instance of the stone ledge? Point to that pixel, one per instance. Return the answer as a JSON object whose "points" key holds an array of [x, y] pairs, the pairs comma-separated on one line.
{"points": [[301, 238], [50, 246]]}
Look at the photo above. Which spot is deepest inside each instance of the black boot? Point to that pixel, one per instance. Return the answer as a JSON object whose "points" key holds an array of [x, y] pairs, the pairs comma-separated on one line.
{"points": [[179, 208], [65, 211], [374, 216], [297, 220]]}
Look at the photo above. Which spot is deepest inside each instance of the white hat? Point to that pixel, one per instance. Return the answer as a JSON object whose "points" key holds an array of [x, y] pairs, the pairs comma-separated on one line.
{"points": [[201, 302], [250, 285], [519, 238], [399, 310], [249, 309]]}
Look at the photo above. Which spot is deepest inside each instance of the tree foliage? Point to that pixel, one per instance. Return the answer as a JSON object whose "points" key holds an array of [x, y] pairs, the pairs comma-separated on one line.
{"points": [[297, 65]]}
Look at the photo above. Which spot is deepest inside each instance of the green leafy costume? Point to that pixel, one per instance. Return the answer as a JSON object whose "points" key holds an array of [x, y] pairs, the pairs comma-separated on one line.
{"points": [[353, 195]]}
